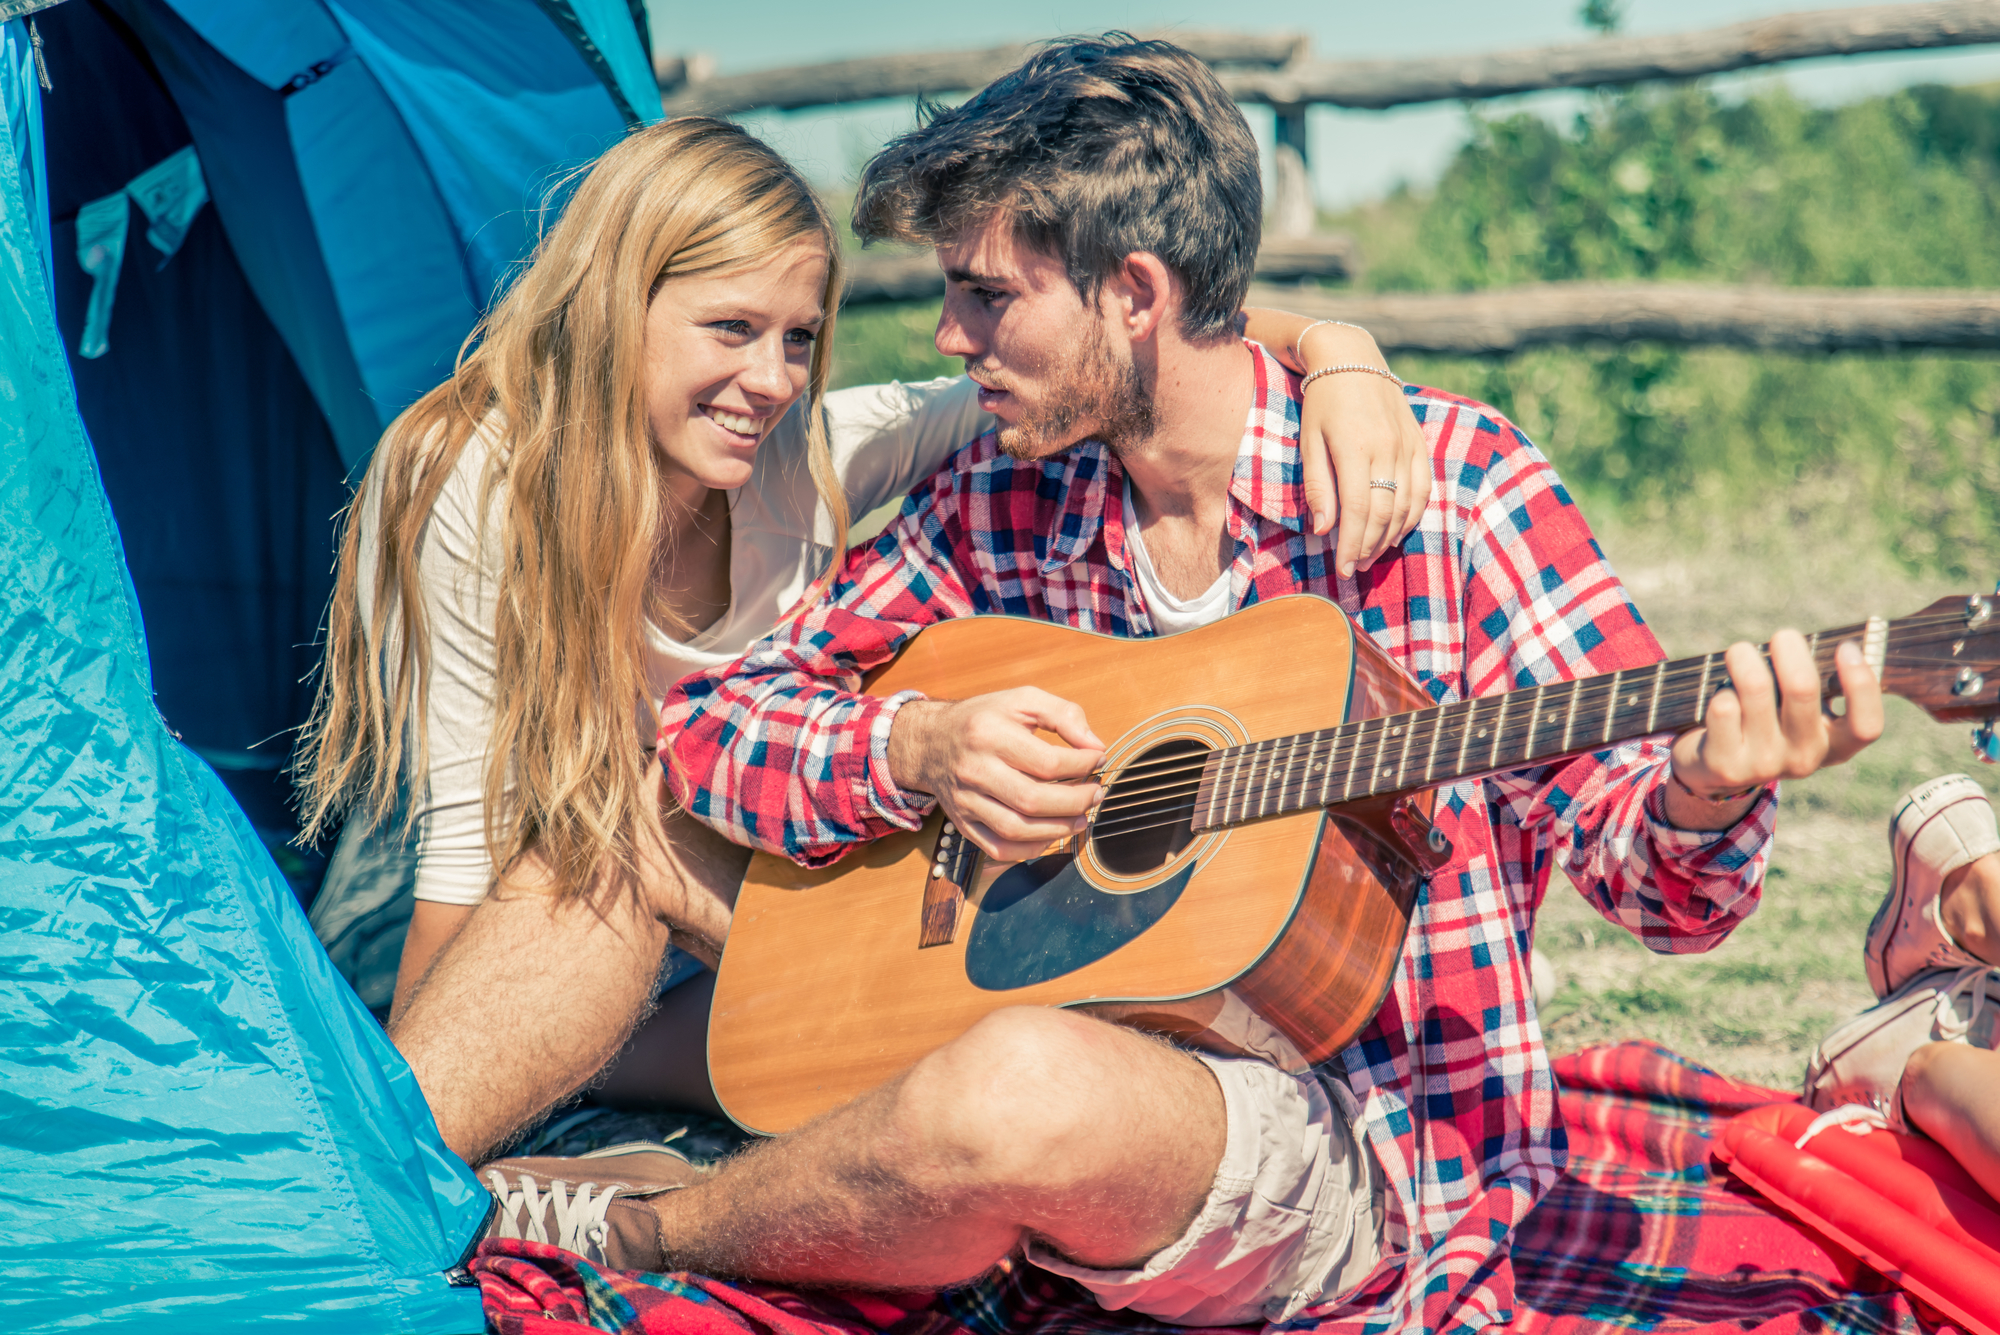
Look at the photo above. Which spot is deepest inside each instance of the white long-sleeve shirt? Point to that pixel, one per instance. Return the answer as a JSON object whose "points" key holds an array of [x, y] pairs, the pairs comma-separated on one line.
{"points": [[885, 439]]}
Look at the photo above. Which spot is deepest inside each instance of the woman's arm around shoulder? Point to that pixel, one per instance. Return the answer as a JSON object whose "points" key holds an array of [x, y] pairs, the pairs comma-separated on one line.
{"points": [[1356, 434]]}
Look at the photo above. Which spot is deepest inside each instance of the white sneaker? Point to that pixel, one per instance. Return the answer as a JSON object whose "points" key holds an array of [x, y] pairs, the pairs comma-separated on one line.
{"points": [[1862, 1060], [1938, 828]]}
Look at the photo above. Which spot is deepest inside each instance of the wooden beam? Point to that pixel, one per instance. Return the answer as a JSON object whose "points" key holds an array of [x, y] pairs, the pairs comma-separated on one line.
{"points": [[1614, 60], [1271, 69], [900, 275], [1791, 319], [932, 72]]}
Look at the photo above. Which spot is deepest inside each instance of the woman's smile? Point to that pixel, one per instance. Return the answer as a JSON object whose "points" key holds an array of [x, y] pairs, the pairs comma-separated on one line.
{"points": [[742, 429]]}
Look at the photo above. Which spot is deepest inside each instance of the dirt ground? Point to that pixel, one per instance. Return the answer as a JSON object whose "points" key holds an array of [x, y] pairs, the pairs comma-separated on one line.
{"points": [[1754, 1007]]}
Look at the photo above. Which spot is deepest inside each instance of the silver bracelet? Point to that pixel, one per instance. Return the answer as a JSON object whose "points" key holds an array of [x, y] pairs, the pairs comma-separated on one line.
{"points": [[1347, 366]]}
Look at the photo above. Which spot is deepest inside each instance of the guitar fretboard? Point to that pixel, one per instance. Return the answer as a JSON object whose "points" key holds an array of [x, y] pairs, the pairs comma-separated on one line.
{"points": [[1489, 734]]}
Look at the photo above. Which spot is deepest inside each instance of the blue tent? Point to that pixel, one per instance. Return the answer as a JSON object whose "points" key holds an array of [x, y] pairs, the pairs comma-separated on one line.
{"points": [[274, 223], [200, 1126]]}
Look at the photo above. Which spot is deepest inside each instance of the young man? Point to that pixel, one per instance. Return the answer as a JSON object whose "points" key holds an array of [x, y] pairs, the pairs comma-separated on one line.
{"points": [[1097, 214]]}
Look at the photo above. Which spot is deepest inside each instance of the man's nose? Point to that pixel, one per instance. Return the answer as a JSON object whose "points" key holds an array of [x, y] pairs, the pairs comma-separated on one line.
{"points": [[953, 338]]}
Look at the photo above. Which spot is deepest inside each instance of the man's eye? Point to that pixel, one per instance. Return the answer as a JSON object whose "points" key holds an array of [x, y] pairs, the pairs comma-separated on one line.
{"points": [[986, 295]]}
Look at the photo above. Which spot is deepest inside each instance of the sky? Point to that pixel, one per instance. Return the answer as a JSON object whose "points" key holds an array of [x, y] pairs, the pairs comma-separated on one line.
{"points": [[1356, 155]]}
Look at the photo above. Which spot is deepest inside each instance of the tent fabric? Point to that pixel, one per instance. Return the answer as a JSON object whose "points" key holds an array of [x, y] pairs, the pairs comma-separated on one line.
{"points": [[419, 155], [217, 460], [326, 203], [374, 173], [199, 1124], [170, 193]]}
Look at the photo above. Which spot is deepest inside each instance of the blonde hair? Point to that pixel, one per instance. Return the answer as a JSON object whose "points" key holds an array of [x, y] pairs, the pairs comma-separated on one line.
{"points": [[558, 362]]}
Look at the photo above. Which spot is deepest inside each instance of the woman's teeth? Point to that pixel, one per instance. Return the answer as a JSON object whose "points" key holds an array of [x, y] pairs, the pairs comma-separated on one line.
{"points": [[742, 426]]}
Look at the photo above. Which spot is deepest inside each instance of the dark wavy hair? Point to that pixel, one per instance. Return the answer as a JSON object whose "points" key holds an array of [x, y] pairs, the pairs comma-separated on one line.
{"points": [[1097, 148]]}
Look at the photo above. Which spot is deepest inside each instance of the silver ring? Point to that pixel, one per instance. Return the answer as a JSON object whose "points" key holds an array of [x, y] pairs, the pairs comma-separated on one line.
{"points": [[1382, 482]]}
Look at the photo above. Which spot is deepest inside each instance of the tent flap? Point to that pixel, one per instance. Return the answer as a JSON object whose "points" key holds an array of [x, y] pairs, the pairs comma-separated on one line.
{"points": [[199, 1124]]}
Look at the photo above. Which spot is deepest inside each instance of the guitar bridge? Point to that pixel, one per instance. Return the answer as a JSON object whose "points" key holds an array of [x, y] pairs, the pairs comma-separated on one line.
{"points": [[954, 863]]}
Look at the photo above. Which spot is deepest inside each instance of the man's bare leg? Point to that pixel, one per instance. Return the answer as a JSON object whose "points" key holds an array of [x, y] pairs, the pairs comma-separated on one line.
{"points": [[1097, 1141], [1951, 1091], [534, 995], [522, 1008]]}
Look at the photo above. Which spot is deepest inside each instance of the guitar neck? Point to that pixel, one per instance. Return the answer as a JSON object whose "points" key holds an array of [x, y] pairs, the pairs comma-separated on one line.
{"points": [[1489, 734]]}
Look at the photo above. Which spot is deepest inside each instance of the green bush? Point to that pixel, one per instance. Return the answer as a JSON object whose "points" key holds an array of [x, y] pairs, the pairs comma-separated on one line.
{"points": [[1677, 186]]}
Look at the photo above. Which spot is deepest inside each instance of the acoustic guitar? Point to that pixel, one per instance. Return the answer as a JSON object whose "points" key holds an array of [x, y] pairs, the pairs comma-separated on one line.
{"points": [[1246, 881]]}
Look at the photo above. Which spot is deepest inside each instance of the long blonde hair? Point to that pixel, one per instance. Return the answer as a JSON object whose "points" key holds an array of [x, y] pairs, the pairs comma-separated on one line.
{"points": [[558, 364]]}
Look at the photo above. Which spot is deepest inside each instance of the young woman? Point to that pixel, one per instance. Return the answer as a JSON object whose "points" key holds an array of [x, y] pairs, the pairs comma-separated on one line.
{"points": [[634, 473]]}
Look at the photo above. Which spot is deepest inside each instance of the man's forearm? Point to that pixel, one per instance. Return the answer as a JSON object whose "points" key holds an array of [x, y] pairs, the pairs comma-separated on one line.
{"points": [[913, 745]]}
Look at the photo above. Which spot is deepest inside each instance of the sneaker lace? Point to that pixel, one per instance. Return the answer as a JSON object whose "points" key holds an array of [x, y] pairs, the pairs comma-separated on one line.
{"points": [[580, 1225], [1977, 980], [1856, 1118]]}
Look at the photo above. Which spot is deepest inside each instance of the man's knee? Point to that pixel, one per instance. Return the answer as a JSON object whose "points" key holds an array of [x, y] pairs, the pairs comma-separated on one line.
{"points": [[1008, 1103]]}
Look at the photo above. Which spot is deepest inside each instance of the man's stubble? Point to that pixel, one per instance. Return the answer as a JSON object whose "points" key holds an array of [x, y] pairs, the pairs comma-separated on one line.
{"points": [[1094, 397]]}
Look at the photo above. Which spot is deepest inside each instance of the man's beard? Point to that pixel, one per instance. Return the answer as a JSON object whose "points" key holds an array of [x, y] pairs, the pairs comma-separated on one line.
{"points": [[1094, 397]]}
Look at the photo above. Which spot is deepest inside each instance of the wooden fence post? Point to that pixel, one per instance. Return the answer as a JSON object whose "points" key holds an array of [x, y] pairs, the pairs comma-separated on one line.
{"points": [[1293, 212]]}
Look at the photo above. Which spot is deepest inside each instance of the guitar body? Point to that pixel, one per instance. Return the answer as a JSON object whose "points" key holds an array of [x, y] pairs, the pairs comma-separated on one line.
{"points": [[1276, 936]]}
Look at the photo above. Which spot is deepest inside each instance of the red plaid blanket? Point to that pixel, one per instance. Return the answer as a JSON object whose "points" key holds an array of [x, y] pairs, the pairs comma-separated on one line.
{"points": [[1637, 1236]]}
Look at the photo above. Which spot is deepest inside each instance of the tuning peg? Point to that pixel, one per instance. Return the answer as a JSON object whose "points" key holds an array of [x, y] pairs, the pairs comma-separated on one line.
{"points": [[1986, 743]]}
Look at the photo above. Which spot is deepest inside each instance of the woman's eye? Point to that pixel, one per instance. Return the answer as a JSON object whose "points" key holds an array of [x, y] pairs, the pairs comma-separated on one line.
{"points": [[737, 328], [804, 337]]}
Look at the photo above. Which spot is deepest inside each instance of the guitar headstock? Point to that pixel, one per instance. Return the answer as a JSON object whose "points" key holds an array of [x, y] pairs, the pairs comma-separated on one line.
{"points": [[1946, 661]]}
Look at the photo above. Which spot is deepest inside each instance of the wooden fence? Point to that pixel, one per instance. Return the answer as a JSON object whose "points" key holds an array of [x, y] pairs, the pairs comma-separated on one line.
{"points": [[1278, 70], [1797, 319]]}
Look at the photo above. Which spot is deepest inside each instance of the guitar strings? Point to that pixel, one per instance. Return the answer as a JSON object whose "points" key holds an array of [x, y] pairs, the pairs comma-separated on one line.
{"points": [[1152, 801], [1823, 657], [1181, 763]]}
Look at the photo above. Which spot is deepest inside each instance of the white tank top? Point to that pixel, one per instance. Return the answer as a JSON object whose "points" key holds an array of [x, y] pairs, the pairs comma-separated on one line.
{"points": [[1170, 615]]}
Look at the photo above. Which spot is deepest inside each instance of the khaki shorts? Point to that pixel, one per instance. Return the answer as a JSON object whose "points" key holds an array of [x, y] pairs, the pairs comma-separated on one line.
{"points": [[1294, 1217]]}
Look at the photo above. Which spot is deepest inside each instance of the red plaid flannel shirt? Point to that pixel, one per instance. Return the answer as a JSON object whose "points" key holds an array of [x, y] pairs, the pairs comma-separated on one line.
{"points": [[1500, 586]]}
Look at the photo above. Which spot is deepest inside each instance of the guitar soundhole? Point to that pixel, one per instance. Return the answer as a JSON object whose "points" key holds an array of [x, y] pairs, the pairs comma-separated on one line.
{"points": [[1147, 813]]}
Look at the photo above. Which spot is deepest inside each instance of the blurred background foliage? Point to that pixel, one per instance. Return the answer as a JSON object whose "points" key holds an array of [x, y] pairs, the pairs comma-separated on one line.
{"points": [[1675, 184]]}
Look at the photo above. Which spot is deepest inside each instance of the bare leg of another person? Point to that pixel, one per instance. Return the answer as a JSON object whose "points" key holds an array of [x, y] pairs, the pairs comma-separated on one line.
{"points": [[1952, 1091], [1035, 1124], [534, 995]]}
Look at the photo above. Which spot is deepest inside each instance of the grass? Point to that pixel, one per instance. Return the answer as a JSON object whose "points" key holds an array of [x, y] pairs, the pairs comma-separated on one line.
{"points": [[1754, 1007]]}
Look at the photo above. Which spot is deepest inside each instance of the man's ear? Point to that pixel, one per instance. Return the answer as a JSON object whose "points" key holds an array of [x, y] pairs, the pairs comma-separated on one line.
{"points": [[1143, 295]]}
